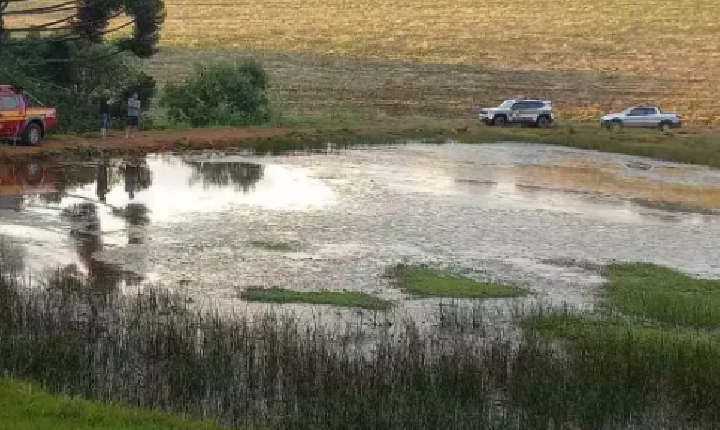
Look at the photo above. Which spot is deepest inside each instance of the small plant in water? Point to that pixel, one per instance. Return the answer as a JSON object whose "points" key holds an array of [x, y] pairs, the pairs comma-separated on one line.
{"points": [[425, 281], [333, 298]]}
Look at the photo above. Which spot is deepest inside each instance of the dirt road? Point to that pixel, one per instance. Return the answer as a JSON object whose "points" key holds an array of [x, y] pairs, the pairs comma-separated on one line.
{"points": [[150, 141]]}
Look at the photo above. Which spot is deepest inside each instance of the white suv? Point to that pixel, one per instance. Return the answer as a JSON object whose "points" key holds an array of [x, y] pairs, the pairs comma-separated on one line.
{"points": [[532, 112]]}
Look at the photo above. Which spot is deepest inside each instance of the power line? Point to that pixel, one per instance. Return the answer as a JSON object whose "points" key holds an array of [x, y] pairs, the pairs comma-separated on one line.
{"points": [[71, 37], [46, 26], [68, 5]]}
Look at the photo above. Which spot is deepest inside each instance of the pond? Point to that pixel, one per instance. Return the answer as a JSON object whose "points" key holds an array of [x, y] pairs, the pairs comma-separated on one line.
{"points": [[212, 224]]}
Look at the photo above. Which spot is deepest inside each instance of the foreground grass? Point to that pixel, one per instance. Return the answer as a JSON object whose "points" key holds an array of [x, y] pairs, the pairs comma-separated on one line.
{"points": [[332, 298], [26, 407], [423, 281]]}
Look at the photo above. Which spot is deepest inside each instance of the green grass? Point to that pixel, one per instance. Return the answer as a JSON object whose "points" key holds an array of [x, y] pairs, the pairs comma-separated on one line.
{"points": [[26, 407], [655, 332], [664, 295], [423, 281], [332, 298]]}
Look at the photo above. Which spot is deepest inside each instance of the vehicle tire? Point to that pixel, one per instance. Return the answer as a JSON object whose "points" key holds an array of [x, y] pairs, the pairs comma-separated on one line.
{"points": [[664, 126], [615, 124], [33, 134], [543, 121], [499, 120]]}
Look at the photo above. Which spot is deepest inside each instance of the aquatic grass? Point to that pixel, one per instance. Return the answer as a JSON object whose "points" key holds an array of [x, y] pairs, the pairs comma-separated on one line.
{"points": [[637, 357], [26, 407], [665, 295], [425, 281], [274, 246], [331, 298], [274, 370]]}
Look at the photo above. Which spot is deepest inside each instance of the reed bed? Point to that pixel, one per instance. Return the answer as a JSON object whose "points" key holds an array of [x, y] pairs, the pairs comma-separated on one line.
{"points": [[154, 350]]}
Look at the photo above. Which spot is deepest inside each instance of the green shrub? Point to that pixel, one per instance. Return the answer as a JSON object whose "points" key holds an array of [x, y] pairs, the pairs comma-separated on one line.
{"points": [[224, 93]]}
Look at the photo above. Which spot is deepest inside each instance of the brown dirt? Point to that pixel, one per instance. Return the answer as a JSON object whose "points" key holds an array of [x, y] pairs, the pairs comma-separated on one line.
{"points": [[150, 141]]}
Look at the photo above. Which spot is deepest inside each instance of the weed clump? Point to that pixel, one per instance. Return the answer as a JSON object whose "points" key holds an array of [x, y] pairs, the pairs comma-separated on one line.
{"points": [[424, 281], [332, 298]]}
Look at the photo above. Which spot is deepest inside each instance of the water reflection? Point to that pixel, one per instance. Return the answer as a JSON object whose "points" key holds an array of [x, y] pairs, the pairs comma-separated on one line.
{"points": [[101, 211], [41, 191], [241, 174]]}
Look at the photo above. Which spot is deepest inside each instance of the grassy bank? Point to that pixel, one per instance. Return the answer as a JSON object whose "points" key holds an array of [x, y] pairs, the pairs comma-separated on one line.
{"points": [[692, 146], [331, 298], [278, 371], [26, 407]]}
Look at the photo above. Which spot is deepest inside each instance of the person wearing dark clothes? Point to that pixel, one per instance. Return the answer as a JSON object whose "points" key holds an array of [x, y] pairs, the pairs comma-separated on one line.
{"points": [[105, 103]]}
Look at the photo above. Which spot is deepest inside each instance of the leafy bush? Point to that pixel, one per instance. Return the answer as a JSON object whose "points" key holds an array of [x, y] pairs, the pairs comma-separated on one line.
{"points": [[224, 93]]}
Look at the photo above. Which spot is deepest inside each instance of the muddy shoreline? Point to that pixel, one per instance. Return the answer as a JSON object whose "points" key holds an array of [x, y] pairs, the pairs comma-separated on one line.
{"points": [[698, 146]]}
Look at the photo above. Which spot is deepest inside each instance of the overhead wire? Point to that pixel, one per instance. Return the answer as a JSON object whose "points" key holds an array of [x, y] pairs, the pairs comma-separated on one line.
{"points": [[48, 26]]}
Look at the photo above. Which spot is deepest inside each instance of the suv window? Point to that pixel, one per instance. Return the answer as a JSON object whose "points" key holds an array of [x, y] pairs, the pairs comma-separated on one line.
{"points": [[9, 103], [520, 105], [536, 105]]}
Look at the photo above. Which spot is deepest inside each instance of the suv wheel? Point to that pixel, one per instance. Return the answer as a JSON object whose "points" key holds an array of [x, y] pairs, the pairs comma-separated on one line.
{"points": [[542, 121], [664, 126], [33, 134], [499, 120]]}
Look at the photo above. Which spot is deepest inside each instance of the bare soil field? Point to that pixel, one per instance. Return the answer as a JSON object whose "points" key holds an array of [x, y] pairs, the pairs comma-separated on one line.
{"points": [[372, 59]]}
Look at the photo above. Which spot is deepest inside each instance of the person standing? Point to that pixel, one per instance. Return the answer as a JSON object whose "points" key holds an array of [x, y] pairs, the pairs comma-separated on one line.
{"points": [[105, 103], [133, 113]]}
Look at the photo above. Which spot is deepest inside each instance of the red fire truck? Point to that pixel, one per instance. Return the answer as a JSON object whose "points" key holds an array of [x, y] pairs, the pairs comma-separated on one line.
{"points": [[22, 117]]}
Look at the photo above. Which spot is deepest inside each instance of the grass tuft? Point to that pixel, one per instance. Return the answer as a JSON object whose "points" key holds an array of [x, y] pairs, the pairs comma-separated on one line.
{"points": [[424, 281], [332, 298], [274, 246]]}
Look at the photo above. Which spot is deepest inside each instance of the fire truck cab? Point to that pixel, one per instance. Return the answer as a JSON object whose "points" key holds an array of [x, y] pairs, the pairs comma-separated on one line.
{"points": [[22, 117]]}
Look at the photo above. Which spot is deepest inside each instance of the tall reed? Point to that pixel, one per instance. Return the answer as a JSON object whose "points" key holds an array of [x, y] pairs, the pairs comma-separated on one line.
{"points": [[156, 351]]}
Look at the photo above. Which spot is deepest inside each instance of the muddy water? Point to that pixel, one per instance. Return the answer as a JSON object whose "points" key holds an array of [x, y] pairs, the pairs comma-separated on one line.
{"points": [[205, 223]]}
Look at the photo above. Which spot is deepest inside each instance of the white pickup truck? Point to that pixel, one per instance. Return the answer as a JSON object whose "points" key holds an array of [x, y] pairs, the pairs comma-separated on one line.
{"points": [[643, 116]]}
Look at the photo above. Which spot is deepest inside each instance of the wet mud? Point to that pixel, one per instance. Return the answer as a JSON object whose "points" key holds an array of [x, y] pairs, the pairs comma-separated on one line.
{"points": [[210, 224]]}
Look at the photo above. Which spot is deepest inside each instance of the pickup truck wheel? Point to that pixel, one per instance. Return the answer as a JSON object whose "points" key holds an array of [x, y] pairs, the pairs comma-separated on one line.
{"points": [[543, 121], [499, 120], [615, 125], [33, 134], [665, 126]]}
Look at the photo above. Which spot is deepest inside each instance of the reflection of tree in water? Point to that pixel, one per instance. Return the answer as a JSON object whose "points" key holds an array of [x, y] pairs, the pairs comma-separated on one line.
{"points": [[243, 175]]}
